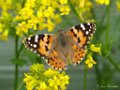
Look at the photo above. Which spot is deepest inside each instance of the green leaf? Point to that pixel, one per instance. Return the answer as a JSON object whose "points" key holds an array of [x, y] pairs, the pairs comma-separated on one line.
{"points": [[20, 62]]}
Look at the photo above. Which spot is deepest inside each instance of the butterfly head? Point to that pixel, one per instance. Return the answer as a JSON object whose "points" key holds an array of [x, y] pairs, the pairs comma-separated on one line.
{"points": [[60, 31]]}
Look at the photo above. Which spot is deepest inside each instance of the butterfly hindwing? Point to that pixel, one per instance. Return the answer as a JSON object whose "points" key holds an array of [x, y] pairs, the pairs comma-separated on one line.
{"points": [[55, 61]]}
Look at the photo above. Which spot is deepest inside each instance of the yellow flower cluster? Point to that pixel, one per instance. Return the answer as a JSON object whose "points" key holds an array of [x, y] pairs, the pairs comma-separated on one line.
{"points": [[89, 61], [7, 9], [106, 2], [95, 48], [40, 15], [41, 79], [83, 8], [3, 32], [4, 18]]}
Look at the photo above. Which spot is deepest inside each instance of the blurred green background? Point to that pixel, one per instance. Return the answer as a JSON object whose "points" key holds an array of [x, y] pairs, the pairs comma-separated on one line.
{"points": [[105, 75]]}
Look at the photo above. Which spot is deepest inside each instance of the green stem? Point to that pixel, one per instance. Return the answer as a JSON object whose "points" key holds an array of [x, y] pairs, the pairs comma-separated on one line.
{"points": [[108, 27], [85, 74], [97, 71], [20, 49], [17, 54], [74, 11], [113, 63], [107, 40], [103, 17], [16, 65]]}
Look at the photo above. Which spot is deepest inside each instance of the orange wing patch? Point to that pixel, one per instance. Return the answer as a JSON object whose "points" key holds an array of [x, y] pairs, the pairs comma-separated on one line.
{"points": [[82, 33], [78, 37], [45, 44], [55, 61], [79, 54]]}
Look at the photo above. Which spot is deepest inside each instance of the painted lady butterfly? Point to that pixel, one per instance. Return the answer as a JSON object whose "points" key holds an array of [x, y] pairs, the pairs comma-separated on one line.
{"points": [[65, 47]]}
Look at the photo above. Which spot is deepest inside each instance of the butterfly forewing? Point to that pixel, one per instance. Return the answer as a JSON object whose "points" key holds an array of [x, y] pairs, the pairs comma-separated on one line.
{"points": [[80, 35]]}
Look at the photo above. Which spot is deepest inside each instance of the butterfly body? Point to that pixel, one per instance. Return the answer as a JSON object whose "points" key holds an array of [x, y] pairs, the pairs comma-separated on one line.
{"points": [[62, 38], [66, 46]]}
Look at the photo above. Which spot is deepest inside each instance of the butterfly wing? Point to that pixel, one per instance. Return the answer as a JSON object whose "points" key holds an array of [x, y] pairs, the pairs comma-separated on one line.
{"points": [[80, 34], [44, 45]]}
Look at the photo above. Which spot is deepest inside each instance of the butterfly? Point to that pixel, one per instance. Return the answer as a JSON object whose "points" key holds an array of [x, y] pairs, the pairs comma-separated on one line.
{"points": [[67, 47]]}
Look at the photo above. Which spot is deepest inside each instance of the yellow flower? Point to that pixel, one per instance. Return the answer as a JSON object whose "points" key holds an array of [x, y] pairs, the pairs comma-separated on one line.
{"points": [[30, 82], [32, 23], [49, 12], [82, 3], [6, 4], [21, 28], [4, 35], [1, 27], [40, 14], [40, 79], [89, 62], [96, 49], [37, 68], [42, 26], [57, 18], [50, 25], [83, 8], [64, 10], [43, 85], [30, 3], [59, 80], [50, 72], [26, 13], [54, 83], [106, 2], [118, 5], [63, 1], [64, 81]]}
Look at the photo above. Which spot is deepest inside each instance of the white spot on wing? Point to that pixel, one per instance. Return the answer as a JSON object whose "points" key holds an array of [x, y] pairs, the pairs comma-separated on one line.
{"points": [[60, 69], [88, 24], [87, 32], [42, 57], [83, 27], [31, 49], [34, 45], [89, 38], [73, 27], [35, 51], [29, 38], [36, 38], [74, 64]]}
